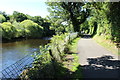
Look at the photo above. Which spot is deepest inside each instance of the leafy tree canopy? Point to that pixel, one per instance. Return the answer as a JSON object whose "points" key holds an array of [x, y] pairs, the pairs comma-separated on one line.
{"points": [[72, 12]]}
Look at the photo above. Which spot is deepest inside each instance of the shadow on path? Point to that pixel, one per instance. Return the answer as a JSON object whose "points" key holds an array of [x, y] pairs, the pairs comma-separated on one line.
{"points": [[104, 68], [99, 68]]}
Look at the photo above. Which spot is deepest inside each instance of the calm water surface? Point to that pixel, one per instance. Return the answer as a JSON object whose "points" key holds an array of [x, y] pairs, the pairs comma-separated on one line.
{"points": [[14, 51]]}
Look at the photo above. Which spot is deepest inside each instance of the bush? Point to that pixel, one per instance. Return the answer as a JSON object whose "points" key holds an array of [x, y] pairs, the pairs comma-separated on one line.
{"points": [[25, 29], [8, 30], [31, 29], [45, 66], [59, 44], [19, 29]]}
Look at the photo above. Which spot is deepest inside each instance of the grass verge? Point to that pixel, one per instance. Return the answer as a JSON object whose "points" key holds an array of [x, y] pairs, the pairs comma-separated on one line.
{"points": [[73, 45], [72, 62], [110, 46]]}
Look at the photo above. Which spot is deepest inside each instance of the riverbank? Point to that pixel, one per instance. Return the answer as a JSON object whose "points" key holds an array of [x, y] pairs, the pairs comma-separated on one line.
{"points": [[22, 39], [60, 60]]}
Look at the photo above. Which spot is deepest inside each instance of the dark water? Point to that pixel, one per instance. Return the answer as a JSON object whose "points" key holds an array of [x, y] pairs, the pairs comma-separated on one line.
{"points": [[13, 51]]}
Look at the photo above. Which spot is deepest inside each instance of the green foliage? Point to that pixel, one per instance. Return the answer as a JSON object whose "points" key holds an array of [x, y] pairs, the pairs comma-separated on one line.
{"points": [[85, 27], [47, 66], [70, 12], [73, 46], [19, 16], [43, 59], [19, 29], [5, 15], [56, 25], [2, 18], [59, 45], [37, 19], [42, 66], [104, 20], [0, 31], [8, 30], [26, 28], [114, 18], [31, 28], [46, 72]]}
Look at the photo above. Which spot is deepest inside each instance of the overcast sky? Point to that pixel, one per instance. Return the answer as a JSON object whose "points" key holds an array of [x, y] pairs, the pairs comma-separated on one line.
{"points": [[31, 7]]}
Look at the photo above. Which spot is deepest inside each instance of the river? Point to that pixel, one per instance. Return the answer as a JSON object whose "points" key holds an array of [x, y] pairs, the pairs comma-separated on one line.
{"points": [[13, 51]]}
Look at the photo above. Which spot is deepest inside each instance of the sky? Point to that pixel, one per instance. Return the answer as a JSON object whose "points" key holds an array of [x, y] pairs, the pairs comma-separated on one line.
{"points": [[31, 7]]}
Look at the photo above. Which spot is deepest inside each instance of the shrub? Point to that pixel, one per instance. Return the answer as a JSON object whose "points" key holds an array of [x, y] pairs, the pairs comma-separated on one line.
{"points": [[8, 30], [59, 44], [31, 29]]}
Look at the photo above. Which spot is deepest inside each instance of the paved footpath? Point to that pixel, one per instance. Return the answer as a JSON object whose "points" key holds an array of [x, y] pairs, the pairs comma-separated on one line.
{"points": [[88, 48]]}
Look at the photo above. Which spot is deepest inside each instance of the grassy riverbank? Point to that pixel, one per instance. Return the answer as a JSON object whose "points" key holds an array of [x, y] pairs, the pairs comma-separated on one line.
{"points": [[109, 45]]}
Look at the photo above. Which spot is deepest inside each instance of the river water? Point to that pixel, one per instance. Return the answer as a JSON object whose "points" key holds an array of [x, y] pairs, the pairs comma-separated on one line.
{"points": [[14, 51]]}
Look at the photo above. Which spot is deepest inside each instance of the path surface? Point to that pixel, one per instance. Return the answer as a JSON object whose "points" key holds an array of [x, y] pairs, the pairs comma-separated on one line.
{"points": [[89, 49]]}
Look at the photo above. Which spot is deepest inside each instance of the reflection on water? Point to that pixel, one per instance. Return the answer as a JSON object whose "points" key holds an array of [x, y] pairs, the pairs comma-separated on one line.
{"points": [[13, 51]]}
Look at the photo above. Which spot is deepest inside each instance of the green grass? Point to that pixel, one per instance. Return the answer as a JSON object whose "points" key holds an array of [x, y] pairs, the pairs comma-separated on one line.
{"points": [[75, 66], [73, 45], [109, 45]]}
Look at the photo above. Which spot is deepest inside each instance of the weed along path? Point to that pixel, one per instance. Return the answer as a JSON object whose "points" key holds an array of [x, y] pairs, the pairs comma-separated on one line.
{"points": [[96, 61]]}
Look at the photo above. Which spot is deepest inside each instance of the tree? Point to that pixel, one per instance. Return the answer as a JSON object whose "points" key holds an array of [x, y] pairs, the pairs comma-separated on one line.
{"points": [[5, 15], [19, 17], [69, 11], [104, 18], [85, 27], [37, 19], [114, 18]]}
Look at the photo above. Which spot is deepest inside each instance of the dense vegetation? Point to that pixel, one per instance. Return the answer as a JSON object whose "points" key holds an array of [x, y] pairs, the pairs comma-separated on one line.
{"points": [[95, 18], [91, 17], [66, 18], [104, 20], [19, 25], [52, 61], [101, 18]]}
